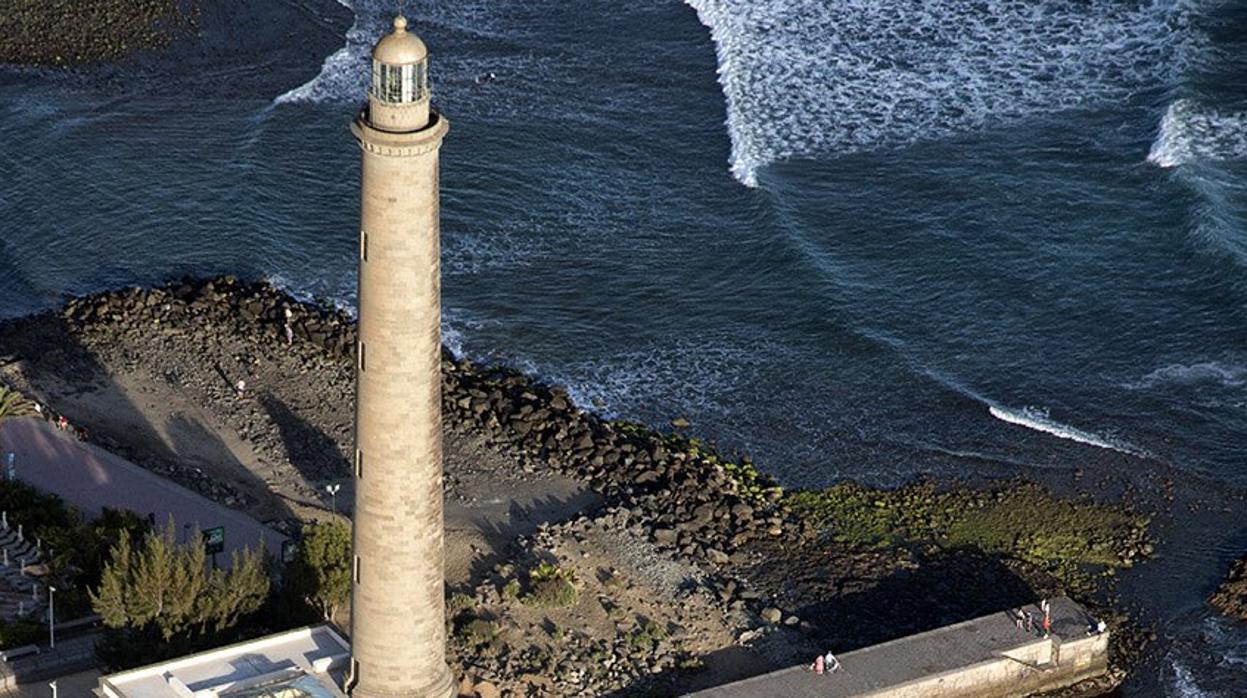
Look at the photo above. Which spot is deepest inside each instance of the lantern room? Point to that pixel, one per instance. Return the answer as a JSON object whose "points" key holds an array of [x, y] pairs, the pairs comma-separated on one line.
{"points": [[398, 100]]}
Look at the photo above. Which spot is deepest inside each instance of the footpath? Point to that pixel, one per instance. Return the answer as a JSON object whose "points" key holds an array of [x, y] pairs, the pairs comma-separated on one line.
{"points": [[91, 478]]}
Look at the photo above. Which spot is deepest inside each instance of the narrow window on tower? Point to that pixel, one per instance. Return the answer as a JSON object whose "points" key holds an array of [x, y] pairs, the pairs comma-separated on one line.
{"points": [[359, 464], [363, 245], [355, 570], [362, 356]]}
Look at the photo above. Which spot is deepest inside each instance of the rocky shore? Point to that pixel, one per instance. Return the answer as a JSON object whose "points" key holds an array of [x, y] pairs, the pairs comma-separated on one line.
{"points": [[692, 569], [65, 32]]}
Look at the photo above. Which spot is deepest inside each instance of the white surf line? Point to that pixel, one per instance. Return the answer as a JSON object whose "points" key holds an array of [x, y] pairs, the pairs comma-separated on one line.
{"points": [[1037, 420]]}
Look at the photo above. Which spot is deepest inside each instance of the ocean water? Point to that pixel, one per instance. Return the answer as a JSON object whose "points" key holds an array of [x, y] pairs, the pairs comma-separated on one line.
{"points": [[856, 239]]}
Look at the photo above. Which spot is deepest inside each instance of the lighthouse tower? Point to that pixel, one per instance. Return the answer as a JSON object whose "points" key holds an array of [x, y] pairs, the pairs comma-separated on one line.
{"points": [[398, 628]]}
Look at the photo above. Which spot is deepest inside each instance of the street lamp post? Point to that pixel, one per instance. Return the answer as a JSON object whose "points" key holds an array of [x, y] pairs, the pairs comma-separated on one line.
{"points": [[52, 685], [333, 495], [52, 624]]}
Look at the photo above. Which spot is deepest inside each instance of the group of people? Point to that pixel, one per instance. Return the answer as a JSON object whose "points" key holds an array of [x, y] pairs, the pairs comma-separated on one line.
{"points": [[1025, 620], [61, 422], [825, 664]]}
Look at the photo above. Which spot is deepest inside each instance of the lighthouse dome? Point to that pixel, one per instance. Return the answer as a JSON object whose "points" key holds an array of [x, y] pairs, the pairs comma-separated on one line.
{"points": [[400, 47]]}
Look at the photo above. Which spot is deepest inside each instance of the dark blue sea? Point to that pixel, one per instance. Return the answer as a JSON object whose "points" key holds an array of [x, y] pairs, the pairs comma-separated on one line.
{"points": [[856, 239]]}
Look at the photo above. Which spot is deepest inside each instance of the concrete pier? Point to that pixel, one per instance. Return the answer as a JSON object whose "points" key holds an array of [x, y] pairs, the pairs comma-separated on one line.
{"points": [[987, 656]]}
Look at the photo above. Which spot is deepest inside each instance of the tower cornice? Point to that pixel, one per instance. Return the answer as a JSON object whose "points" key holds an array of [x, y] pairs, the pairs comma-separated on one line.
{"points": [[400, 144]]}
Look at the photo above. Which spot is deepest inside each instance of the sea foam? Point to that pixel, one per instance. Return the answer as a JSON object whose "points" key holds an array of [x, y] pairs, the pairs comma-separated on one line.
{"points": [[1038, 420], [343, 71], [1189, 133], [1183, 684], [1208, 372], [805, 78]]}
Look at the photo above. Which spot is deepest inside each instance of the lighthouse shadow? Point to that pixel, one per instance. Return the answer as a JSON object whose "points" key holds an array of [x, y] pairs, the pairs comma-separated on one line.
{"points": [[493, 526], [316, 456]]}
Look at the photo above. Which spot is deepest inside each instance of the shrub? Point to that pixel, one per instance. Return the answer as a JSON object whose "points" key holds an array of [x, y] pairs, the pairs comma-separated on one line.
{"points": [[480, 634], [460, 602], [550, 586], [511, 590], [646, 636]]}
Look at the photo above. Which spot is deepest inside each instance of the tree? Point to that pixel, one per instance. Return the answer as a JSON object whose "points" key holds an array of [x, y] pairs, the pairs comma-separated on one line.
{"points": [[110, 600], [237, 594], [13, 404], [321, 572], [165, 588]]}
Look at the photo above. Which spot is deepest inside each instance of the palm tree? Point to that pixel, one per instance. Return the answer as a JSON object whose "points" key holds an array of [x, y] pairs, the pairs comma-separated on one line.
{"points": [[13, 404]]}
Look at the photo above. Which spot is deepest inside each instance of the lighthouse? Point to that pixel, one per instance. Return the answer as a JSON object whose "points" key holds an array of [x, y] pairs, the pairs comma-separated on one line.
{"points": [[398, 627]]}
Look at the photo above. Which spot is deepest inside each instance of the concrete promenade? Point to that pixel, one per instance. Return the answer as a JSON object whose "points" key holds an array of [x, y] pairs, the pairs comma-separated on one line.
{"points": [[91, 478], [981, 657]]}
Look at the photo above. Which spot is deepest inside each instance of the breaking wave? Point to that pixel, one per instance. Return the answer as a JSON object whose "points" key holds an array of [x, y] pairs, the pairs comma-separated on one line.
{"points": [[1038, 420], [807, 77], [343, 71], [1189, 133]]}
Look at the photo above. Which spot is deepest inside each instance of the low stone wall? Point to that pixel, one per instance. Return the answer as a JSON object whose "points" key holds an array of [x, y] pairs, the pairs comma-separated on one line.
{"points": [[1017, 673]]}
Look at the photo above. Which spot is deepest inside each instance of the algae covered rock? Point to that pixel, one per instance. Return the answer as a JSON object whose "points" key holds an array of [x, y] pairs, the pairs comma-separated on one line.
{"points": [[1231, 597]]}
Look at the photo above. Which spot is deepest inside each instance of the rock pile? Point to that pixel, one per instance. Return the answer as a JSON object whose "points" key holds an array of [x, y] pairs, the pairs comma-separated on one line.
{"points": [[65, 32], [1231, 597]]}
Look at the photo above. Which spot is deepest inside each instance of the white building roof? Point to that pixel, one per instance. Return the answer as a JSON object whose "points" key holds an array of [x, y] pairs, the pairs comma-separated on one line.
{"points": [[303, 663]]}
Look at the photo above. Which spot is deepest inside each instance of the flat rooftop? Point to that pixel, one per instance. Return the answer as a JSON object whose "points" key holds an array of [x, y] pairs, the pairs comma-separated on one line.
{"points": [[303, 663], [914, 657]]}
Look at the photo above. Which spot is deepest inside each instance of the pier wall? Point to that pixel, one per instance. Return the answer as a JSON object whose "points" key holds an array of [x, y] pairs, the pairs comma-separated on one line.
{"points": [[1040, 666], [992, 656]]}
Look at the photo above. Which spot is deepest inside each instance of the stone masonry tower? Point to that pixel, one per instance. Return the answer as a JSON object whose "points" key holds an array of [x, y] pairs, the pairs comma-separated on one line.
{"points": [[398, 630]]}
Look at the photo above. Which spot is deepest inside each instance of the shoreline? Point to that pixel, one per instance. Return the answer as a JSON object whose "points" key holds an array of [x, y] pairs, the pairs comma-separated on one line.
{"points": [[745, 537]]}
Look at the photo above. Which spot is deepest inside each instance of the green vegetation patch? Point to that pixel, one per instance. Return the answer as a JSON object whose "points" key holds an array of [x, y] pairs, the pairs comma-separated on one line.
{"points": [[1019, 520], [550, 586], [480, 634], [646, 636]]}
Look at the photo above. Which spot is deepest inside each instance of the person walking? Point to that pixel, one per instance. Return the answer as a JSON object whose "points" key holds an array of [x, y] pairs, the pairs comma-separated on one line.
{"points": [[830, 661], [818, 666], [288, 329]]}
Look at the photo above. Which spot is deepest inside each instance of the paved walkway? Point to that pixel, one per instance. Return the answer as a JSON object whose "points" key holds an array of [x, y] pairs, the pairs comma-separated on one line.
{"points": [[91, 478], [909, 658]]}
